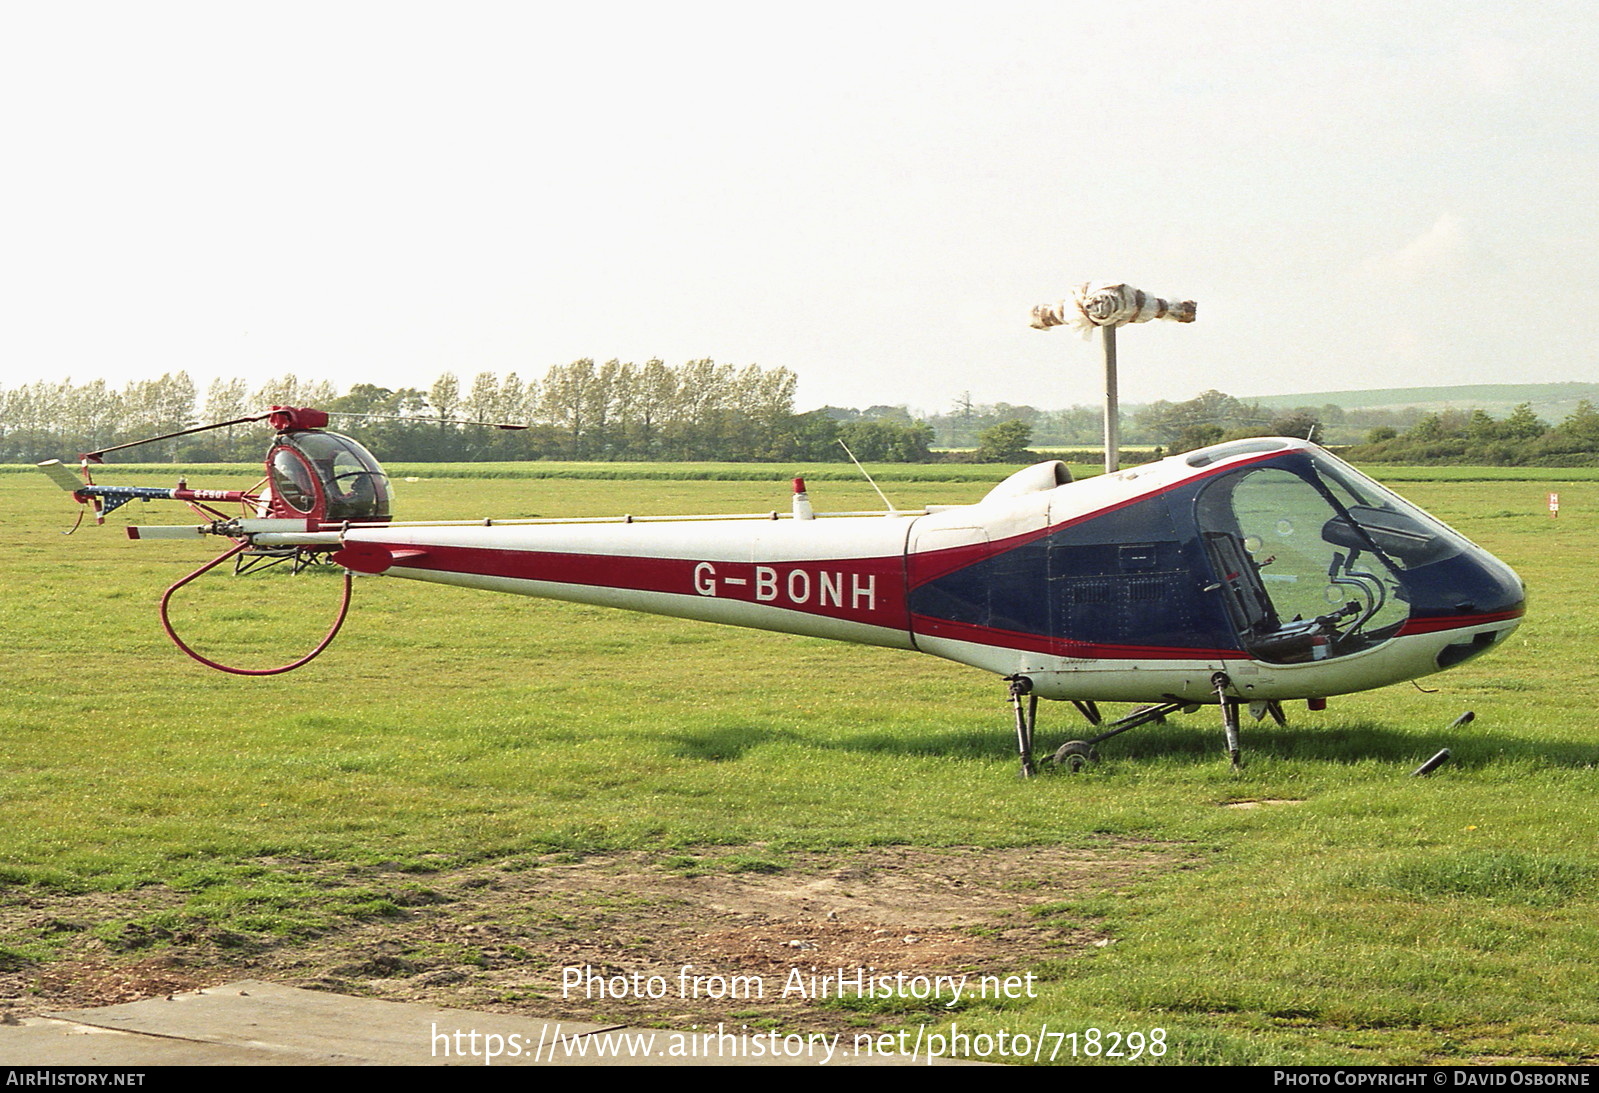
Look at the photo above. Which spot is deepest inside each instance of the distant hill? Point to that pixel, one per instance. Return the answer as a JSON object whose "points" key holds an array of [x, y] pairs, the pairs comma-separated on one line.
{"points": [[1551, 401]]}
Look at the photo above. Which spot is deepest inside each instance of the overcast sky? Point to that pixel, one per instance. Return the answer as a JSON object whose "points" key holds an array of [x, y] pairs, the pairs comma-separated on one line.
{"points": [[870, 194]]}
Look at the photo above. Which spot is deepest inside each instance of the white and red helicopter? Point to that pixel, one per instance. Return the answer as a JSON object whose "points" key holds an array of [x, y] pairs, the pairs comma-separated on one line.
{"points": [[1246, 574]]}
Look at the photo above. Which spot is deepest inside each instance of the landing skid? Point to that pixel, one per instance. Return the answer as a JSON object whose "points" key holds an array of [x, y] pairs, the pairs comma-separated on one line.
{"points": [[1076, 754], [266, 557]]}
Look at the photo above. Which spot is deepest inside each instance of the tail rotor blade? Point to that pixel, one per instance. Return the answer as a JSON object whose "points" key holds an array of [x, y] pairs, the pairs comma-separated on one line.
{"points": [[61, 475]]}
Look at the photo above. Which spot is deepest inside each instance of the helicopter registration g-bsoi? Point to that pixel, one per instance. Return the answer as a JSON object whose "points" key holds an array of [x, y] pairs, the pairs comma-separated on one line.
{"points": [[1246, 574]]}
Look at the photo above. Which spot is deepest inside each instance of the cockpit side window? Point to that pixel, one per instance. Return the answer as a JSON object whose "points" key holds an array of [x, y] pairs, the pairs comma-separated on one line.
{"points": [[1301, 582], [292, 480]]}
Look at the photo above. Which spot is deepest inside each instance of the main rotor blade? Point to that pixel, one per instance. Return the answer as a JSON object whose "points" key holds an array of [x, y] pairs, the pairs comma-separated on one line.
{"points": [[426, 420], [94, 457]]}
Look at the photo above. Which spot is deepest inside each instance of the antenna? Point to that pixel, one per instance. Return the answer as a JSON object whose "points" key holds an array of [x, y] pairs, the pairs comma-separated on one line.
{"points": [[891, 509]]}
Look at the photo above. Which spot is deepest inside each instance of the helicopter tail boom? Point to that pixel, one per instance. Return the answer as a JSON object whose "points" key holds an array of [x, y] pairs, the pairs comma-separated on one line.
{"points": [[106, 499], [842, 579]]}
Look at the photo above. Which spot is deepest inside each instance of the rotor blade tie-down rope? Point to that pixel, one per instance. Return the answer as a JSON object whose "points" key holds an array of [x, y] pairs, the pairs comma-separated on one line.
{"points": [[166, 622]]}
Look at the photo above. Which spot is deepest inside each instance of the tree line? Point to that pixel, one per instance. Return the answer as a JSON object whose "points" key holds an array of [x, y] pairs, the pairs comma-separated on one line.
{"points": [[1476, 438], [700, 410], [1472, 437], [1169, 424]]}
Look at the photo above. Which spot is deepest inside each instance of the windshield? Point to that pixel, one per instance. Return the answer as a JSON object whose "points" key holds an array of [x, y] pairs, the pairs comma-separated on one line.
{"points": [[1378, 518]]}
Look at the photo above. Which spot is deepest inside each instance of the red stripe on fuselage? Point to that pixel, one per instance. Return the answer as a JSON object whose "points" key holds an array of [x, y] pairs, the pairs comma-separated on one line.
{"points": [[1456, 622], [923, 626], [866, 590], [929, 565]]}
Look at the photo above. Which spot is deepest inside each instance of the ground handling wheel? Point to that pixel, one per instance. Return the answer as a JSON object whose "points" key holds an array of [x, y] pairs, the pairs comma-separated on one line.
{"points": [[1075, 754]]}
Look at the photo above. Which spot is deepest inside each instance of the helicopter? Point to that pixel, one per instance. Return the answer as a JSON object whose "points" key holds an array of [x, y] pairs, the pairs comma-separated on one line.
{"points": [[1243, 575]]}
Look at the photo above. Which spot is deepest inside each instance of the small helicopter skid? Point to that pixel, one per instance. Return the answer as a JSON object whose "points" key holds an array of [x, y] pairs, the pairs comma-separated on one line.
{"points": [[262, 558]]}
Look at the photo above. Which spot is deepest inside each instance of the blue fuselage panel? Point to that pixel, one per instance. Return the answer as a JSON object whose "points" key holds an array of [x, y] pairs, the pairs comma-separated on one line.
{"points": [[1126, 577]]}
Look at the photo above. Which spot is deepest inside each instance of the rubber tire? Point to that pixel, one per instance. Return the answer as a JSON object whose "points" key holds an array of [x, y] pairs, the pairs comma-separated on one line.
{"points": [[1075, 754]]}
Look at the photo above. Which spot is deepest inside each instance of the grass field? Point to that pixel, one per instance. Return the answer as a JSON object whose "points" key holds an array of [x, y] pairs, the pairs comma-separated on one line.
{"points": [[1376, 918]]}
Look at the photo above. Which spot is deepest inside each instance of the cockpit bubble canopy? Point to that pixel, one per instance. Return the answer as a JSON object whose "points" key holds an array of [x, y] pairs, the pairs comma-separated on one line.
{"points": [[328, 476]]}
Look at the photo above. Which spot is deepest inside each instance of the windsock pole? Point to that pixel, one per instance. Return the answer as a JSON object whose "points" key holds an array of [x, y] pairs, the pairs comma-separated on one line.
{"points": [[1107, 306], [1113, 455]]}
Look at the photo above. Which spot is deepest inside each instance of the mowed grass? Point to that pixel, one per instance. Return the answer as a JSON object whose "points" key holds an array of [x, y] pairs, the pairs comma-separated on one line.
{"points": [[1380, 918], [979, 474]]}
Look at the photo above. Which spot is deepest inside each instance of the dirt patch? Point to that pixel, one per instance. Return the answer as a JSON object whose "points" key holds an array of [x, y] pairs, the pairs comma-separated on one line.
{"points": [[717, 935]]}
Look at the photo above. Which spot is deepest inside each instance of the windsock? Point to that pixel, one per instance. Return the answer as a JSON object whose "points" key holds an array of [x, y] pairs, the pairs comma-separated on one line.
{"points": [[1103, 304]]}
